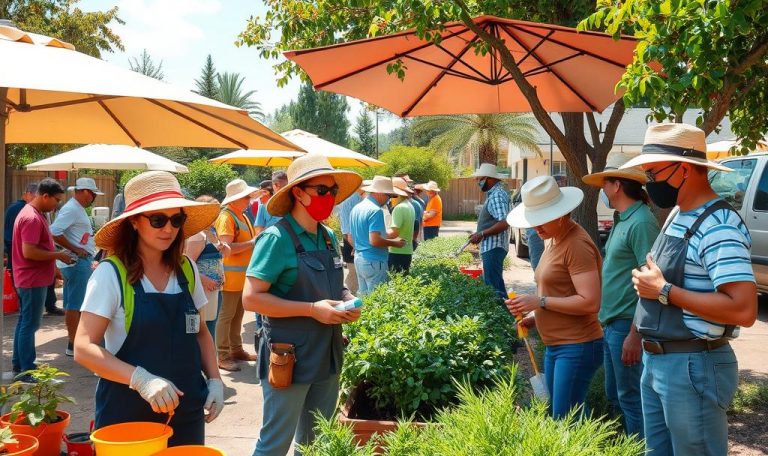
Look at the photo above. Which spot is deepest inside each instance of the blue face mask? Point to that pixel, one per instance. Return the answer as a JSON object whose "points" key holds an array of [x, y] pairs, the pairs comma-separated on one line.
{"points": [[481, 184], [605, 200]]}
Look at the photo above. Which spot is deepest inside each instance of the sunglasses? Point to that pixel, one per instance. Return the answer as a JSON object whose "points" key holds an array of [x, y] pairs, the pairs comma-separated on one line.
{"points": [[160, 220], [322, 190], [651, 175]]}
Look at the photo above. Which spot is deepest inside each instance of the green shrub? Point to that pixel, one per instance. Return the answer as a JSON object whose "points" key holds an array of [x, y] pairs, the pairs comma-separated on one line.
{"points": [[206, 178], [488, 423], [417, 334], [444, 247], [422, 164], [597, 401], [751, 396]]}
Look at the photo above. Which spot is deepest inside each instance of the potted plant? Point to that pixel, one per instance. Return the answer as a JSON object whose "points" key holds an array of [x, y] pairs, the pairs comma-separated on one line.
{"points": [[416, 336], [35, 408], [16, 445]]}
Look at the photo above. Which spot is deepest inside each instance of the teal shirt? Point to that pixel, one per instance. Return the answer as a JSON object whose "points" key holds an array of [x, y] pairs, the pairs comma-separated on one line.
{"points": [[628, 244], [274, 258], [403, 216]]}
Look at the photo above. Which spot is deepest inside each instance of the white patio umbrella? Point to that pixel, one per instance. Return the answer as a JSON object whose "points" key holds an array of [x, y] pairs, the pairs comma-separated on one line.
{"points": [[336, 154], [107, 156], [50, 93], [276, 158]]}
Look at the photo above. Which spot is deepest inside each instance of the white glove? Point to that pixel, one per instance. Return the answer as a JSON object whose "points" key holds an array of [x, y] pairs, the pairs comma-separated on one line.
{"points": [[214, 403], [161, 394]]}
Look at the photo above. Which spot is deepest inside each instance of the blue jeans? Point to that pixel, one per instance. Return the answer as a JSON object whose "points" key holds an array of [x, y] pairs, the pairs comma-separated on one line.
{"points": [[289, 414], [685, 397], [493, 270], [75, 280], [622, 383], [369, 274], [535, 247], [568, 370], [31, 304]]}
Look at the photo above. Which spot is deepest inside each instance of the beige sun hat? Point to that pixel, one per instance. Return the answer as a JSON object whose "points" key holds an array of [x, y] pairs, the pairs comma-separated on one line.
{"points": [[430, 186], [383, 184], [612, 169], [543, 201], [486, 170], [155, 191], [238, 189], [400, 184], [305, 168], [674, 142]]}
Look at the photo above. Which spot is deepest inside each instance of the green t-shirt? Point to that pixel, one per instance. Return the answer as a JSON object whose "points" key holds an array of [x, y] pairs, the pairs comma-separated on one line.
{"points": [[403, 217], [274, 258], [629, 242]]}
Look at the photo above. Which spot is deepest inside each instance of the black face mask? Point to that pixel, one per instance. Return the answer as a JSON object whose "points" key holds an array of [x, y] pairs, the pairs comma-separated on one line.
{"points": [[662, 193]]}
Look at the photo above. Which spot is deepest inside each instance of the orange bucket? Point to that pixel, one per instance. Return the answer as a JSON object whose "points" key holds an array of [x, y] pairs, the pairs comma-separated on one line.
{"points": [[131, 439], [472, 271], [191, 450]]}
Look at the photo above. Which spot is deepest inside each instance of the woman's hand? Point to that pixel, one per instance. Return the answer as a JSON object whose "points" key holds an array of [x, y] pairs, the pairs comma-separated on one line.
{"points": [[528, 322], [208, 283], [324, 312], [353, 315], [522, 304]]}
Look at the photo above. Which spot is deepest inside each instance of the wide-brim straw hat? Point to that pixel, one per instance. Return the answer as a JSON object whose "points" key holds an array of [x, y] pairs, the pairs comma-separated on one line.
{"points": [[430, 186], [486, 170], [238, 189], [543, 201], [383, 184], [305, 168], [401, 184], [613, 169], [156, 191], [674, 142]]}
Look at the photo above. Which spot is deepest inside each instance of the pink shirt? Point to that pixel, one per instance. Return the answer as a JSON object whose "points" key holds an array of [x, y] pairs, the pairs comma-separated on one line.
{"points": [[31, 227]]}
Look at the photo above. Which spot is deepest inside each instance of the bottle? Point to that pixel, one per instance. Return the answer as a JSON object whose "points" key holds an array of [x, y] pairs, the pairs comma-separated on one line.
{"points": [[522, 331], [349, 305]]}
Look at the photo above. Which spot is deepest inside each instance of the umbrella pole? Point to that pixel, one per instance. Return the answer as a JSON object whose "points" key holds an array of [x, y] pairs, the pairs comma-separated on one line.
{"points": [[3, 121]]}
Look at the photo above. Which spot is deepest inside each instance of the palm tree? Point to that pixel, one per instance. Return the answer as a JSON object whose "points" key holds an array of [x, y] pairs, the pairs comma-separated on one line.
{"points": [[230, 91], [452, 134]]}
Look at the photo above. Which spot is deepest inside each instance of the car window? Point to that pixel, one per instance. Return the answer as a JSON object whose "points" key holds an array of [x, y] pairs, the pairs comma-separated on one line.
{"points": [[761, 196], [732, 186]]}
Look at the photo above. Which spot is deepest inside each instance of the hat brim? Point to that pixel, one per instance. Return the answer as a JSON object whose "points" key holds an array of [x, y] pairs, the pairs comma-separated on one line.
{"points": [[348, 182], [596, 179], [477, 173], [645, 159], [73, 188], [523, 217], [395, 190], [199, 216], [240, 195]]}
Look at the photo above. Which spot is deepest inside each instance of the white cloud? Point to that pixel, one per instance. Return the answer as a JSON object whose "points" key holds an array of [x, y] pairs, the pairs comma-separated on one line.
{"points": [[166, 28]]}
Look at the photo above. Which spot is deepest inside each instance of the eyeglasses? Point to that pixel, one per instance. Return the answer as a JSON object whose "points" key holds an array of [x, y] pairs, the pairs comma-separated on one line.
{"points": [[322, 190], [651, 175], [160, 220]]}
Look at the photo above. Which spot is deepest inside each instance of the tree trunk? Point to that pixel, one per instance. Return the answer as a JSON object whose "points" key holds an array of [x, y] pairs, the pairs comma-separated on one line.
{"points": [[578, 166]]}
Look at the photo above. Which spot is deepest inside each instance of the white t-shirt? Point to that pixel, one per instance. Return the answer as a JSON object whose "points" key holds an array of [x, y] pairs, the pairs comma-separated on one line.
{"points": [[72, 221], [103, 297]]}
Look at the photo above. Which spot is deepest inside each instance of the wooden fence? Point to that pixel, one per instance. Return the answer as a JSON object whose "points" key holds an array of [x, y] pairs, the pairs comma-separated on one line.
{"points": [[463, 194], [20, 179]]}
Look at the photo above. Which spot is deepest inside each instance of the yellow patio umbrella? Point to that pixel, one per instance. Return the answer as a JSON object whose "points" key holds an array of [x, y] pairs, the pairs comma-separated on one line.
{"points": [[276, 158]]}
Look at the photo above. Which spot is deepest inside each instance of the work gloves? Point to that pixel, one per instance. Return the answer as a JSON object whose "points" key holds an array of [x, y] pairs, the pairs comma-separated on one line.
{"points": [[214, 403], [161, 394]]}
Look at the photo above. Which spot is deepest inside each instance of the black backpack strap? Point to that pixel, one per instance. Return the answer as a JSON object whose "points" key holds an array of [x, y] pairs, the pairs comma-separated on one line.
{"points": [[287, 227]]}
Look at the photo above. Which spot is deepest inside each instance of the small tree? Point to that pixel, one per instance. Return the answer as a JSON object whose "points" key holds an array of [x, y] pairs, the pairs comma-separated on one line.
{"points": [[421, 164], [323, 113], [207, 84], [145, 65], [231, 92], [365, 131], [205, 178]]}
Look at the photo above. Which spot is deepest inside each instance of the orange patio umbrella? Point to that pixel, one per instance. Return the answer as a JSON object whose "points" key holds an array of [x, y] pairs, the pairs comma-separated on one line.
{"points": [[572, 71]]}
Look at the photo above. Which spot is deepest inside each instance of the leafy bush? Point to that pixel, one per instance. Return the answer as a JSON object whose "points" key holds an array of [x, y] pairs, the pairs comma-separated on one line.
{"points": [[422, 164], [420, 332], [597, 401], [206, 178], [750, 397], [490, 422], [443, 248], [36, 402]]}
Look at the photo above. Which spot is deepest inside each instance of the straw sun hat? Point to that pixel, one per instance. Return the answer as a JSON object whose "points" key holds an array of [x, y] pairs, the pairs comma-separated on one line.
{"points": [[674, 142], [382, 184], [543, 201], [305, 168], [154, 191], [400, 184], [430, 186], [238, 189], [612, 169]]}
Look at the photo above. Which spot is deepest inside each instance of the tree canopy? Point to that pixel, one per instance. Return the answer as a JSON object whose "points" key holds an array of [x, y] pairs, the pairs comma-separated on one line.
{"points": [[208, 85], [707, 54], [230, 91], [145, 65], [366, 133], [321, 113]]}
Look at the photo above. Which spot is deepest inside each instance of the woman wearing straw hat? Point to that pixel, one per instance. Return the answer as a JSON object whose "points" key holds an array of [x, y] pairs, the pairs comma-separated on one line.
{"points": [[140, 329], [629, 242], [568, 300], [294, 280]]}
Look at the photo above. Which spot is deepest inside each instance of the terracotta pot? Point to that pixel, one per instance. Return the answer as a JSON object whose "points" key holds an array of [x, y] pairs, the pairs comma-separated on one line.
{"points": [[25, 445], [48, 435]]}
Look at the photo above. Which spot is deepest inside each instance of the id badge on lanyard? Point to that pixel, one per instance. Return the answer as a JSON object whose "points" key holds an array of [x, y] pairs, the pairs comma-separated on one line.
{"points": [[338, 263], [192, 319]]}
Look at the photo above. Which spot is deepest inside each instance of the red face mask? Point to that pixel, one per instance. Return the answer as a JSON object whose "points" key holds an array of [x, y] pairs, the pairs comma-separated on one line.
{"points": [[320, 207]]}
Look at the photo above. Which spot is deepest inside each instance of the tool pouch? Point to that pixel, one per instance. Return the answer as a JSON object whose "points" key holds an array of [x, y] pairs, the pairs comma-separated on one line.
{"points": [[282, 358]]}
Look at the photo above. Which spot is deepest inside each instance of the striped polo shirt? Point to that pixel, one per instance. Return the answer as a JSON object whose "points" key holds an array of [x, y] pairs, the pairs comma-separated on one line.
{"points": [[718, 253]]}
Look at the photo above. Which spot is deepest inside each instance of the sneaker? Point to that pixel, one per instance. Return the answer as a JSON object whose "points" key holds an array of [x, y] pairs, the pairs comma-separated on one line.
{"points": [[228, 364], [57, 311], [26, 379], [70, 351], [242, 355]]}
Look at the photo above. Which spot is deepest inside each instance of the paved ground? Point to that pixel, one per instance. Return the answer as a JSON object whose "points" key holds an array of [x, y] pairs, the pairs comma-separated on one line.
{"points": [[235, 431]]}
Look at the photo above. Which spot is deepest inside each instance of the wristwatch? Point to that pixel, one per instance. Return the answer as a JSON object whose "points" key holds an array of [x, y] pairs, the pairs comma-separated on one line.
{"points": [[543, 302], [664, 293]]}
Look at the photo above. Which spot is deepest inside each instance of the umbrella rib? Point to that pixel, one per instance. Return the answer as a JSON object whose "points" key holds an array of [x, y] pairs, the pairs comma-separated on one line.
{"points": [[451, 71], [71, 102], [120, 124], [196, 122], [385, 60], [438, 77], [533, 49], [480, 73], [545, 68], [555, 73]]}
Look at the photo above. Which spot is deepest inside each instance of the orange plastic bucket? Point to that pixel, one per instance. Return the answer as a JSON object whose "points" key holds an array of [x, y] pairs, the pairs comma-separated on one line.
{"points": [[131, 439], [191, 450]]}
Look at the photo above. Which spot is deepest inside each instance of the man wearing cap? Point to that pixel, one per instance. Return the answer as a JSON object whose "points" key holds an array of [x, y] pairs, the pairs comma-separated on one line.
{"points": [[433, 213], [73, 231], [347, 249], [369, 234], [492, 228], [629, 242], [402, 226], [235, 230], [696, 288]]}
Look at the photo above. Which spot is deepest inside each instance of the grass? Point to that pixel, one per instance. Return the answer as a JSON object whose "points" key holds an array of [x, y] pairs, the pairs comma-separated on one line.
{"points": [[750, 397]]}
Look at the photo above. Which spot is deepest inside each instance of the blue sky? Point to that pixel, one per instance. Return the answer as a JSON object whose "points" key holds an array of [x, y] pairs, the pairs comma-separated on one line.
{"points": [[182, 33]]}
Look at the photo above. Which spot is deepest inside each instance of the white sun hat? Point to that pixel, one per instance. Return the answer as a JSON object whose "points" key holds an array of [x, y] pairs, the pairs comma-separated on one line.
{"points": [[236, 190], [543, 201], [86, 183], [383, 184], [486, 170]]}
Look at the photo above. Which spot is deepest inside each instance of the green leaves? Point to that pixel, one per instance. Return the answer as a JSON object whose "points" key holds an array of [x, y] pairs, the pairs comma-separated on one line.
{"points": [[37, 402]]}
